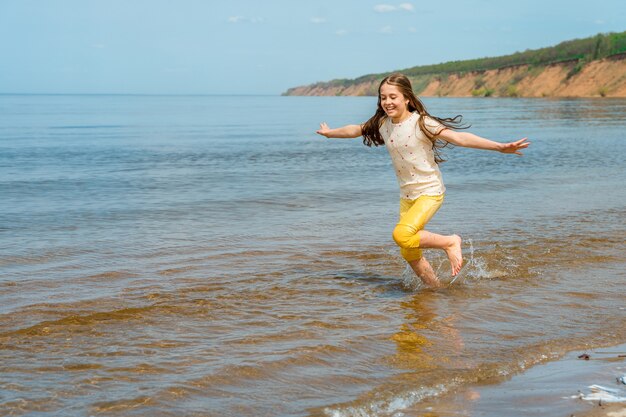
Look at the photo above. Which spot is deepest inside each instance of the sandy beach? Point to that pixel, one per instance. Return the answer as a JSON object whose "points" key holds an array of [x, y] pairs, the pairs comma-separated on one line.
{"points": [[608, 410], [554, 388]]}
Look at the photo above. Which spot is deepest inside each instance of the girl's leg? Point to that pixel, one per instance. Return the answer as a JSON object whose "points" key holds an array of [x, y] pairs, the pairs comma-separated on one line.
{"points": [[410, 236], [450, 244], [425, 272]]}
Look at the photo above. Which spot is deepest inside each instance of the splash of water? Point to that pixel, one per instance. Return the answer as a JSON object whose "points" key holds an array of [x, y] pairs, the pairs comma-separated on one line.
{"points": [[477, 268]]}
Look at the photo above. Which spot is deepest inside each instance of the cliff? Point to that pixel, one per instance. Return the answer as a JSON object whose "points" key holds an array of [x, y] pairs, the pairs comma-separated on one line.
{"points": [[592, 67]]}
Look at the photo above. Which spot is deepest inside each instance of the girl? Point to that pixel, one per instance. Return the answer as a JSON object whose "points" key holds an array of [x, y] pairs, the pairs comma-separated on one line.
{"points": [[413, 138]]}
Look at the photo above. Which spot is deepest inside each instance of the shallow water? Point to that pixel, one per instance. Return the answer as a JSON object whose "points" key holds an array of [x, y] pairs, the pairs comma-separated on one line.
{"points": [[168, 255]]}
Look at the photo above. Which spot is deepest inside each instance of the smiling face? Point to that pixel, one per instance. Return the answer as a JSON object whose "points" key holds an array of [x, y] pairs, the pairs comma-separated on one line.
{"points": [[393, 102]]}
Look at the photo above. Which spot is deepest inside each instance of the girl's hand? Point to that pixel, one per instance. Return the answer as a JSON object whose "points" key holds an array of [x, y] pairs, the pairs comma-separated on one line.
{"points": [[514, 147], [324, 130], [348, 131]]}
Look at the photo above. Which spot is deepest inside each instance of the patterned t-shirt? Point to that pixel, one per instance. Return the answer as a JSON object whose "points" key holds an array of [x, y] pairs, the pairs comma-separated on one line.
{"points": [[412, 156]]}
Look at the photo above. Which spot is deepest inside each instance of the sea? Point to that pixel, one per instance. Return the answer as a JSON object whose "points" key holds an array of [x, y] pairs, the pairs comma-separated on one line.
{"points": [[214, 256]]}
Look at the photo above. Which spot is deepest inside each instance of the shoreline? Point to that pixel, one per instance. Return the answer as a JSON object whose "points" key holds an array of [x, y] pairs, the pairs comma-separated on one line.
{"points": [[554, 388]]}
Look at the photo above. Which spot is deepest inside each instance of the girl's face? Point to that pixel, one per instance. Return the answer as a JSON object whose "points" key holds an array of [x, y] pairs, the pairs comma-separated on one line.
{"points": [[393, 102]]}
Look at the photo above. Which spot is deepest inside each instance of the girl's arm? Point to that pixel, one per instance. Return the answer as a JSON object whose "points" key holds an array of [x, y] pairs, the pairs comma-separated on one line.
{"points": [[470, 140], [349, 131]]}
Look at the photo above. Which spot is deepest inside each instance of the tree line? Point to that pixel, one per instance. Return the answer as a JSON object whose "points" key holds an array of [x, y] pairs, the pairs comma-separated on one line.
{"points": [[578, 50]]}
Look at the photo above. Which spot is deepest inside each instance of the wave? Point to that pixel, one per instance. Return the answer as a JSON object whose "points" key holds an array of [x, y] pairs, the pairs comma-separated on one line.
{"points": [[410, 392]]}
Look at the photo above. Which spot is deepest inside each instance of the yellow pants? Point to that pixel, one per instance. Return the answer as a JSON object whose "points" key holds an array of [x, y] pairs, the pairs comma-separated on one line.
{"points": [[414, 214]]}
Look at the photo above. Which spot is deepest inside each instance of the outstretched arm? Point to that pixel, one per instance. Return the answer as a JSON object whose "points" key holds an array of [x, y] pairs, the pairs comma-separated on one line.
{"points": [[470, 140], [349, 131]]}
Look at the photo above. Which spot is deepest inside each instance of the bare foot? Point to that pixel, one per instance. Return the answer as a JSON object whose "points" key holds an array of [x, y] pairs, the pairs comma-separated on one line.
{"points": [[455, 255]]}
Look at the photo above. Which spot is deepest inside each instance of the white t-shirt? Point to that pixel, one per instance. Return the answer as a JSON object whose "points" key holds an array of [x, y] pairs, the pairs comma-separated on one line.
{"points": [[412, 156]]}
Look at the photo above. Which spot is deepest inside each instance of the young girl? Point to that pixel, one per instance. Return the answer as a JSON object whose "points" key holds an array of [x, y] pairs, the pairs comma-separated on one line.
{"points": [[413, 137]]}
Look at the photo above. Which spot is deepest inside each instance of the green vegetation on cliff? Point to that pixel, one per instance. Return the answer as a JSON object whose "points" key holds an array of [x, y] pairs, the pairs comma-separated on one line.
{"points": [[577, 51]]}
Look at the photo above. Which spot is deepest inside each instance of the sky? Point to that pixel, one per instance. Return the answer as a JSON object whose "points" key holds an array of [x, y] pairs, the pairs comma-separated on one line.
{"points": [[242, 47]]}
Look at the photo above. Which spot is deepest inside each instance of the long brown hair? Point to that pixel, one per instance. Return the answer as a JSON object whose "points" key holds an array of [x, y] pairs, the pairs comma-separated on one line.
{"points": [[371, 128]]}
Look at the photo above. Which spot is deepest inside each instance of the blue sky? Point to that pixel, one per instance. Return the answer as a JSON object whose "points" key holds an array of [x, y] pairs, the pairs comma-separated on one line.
{"points": [[265, 47]]}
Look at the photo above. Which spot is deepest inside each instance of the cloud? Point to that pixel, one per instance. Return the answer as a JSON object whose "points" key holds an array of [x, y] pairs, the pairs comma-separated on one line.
{"points": [[384, 8], [386, 30], [244, 19], [318, 20], [341, 32]]}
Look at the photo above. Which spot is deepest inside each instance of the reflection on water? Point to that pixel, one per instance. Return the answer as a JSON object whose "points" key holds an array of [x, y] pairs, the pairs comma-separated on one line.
{"points": [[160, 256], [426, 341]]}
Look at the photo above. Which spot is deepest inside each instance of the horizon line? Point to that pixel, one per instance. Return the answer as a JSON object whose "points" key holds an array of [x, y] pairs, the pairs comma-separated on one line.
{"points": [[138, 94]]}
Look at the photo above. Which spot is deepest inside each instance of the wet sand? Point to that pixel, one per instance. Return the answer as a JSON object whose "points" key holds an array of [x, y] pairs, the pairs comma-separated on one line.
{"points": [[550, 389], [608, 410]]}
